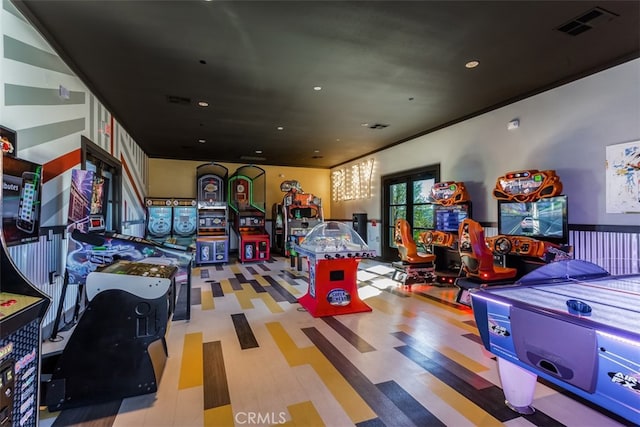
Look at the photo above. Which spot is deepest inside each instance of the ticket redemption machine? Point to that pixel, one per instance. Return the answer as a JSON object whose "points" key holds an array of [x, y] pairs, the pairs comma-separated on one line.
{"points": [[450, 205], [22, 308], [118, 348], [333, 251], [212, 241], [532, 227], [302, 212], [247, 201]]}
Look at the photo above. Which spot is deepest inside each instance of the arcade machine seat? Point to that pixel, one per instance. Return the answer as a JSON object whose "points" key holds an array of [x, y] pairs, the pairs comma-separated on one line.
{"points": [[413, 267], [477, 260]]}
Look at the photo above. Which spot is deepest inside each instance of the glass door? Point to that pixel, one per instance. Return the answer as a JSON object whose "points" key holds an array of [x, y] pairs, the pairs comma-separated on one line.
{"points": [[406, 195]]}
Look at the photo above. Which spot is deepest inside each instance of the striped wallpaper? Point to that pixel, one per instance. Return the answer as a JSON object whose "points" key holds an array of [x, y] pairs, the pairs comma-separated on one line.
{"points": [[50, 127]]}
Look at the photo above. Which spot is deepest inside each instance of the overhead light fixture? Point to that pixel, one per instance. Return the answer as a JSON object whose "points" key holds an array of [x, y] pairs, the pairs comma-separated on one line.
{"points": [[203, 104], [280, 128], [202, 141], [316, 151], [364, 125], [317, 88], [472, 64], [258, 151]]}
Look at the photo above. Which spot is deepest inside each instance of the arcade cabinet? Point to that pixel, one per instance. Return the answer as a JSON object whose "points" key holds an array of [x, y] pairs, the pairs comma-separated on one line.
{"points": [[532, 227], [277, 229], [212, 241], [414, 266], [302, 212], [118, 348], [159, 219], [171, 220], [247, 200], [333, 251], [185, 220], [22, 305], [451, 205], [532, 220]]}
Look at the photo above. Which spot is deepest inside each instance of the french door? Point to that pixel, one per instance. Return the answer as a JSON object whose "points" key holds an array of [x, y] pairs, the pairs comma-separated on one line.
{"points": [[406, 195]]}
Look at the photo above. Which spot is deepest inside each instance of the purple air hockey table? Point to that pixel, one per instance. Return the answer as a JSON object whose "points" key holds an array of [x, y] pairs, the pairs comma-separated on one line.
{"points": [[571, 323]]}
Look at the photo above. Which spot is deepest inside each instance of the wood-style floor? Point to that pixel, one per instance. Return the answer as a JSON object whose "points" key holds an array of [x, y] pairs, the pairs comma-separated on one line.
{"points": [[250, 355]]}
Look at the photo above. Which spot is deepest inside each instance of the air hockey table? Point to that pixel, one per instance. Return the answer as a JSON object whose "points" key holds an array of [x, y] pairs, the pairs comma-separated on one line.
{"points": [[571, 323]]}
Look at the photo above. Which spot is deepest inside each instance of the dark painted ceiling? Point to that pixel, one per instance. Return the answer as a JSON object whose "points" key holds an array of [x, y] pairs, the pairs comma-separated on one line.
{"points": [[389, 70]]}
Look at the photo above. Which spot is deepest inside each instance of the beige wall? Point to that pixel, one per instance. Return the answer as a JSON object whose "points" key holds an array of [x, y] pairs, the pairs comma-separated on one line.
{"points": [[177, 178]]}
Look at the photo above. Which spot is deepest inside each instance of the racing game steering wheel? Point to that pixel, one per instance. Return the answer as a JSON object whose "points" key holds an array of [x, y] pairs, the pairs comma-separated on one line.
{"points": [[502, 245]]}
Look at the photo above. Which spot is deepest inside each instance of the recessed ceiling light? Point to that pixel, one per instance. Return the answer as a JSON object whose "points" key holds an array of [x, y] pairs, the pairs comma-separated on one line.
{"points": [[203, 104], [472, 64], [202, 141], [364, 124], [258, 151], [280, 128], [316, 151], [317, 88]]}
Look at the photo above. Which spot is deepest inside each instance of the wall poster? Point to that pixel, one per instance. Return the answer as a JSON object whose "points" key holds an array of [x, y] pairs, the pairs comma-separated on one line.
{"points": [[623, 177]]}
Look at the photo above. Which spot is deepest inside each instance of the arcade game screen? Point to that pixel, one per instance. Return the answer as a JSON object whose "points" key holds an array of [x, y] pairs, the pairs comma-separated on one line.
{"points": [[21, 197], [545, 219], [448, 218]]}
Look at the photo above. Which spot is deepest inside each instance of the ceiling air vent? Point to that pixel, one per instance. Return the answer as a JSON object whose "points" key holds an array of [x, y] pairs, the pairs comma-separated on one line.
{"points": [[586, 21], [378, 126], [180, 100], [253, 158]]}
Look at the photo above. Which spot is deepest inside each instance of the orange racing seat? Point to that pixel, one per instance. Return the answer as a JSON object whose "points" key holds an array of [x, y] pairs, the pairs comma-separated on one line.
{"points": [[407, 248], [475, 255]]}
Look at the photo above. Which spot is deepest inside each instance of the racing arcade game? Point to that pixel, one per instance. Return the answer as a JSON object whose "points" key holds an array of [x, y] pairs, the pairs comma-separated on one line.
{"points": [[414, 267], [451, 205], [247, 200], [22, 305], [532, 227], [302, 212], [212, 241]]}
